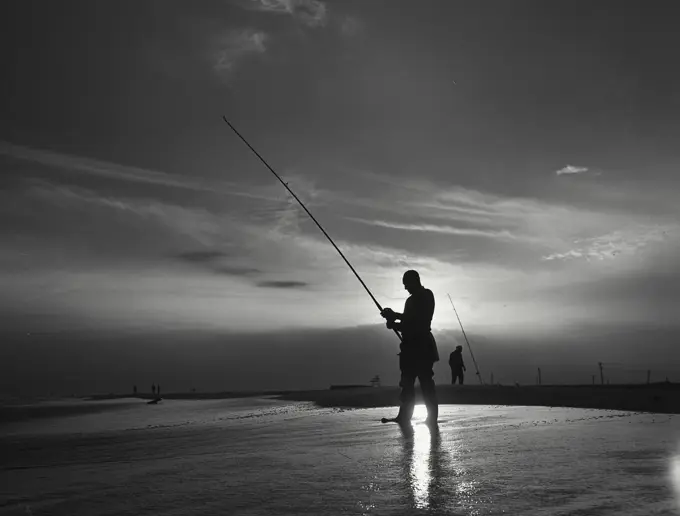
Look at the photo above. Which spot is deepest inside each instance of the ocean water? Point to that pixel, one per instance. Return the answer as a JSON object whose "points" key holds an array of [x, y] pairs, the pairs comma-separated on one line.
{"points": [[266, 457]]}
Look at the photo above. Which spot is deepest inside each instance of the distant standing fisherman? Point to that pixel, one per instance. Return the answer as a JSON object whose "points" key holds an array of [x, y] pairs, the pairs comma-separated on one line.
{"points": [[457, 365], [418, 348]]}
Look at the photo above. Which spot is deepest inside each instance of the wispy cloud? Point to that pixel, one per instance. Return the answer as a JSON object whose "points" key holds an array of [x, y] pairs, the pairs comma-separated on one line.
{"points": [[513, 231], [233, 46], [571, 169], [214, 261], [197, 223], [434, 228], [623, 242], [312, 13], [97, 167], [127, 173]]}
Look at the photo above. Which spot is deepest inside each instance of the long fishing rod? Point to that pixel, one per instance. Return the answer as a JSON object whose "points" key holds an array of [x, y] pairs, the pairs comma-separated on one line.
{"points": [[481, 380], [285, 185]]}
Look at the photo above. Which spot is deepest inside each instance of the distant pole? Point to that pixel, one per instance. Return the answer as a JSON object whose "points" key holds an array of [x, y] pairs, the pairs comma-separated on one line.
{"points": [[649, 373], [539, 376], [479, 376], [601, 373]]}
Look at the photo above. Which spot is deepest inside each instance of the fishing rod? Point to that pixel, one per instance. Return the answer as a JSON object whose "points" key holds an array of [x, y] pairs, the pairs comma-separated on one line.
{"points": [[285, 185], [481, 380]]}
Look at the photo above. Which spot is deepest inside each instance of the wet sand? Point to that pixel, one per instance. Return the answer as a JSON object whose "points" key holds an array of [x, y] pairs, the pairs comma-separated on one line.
{"points": [[659, 398], [257, 457]]}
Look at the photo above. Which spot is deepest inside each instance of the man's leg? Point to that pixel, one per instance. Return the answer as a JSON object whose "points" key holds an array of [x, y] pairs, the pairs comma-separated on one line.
{"points": [[425, 376], [407, 383], [462, 377]]}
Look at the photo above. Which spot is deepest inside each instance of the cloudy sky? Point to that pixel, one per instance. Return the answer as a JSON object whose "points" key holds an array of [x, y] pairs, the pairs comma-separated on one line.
{"points": [[522, 156]]}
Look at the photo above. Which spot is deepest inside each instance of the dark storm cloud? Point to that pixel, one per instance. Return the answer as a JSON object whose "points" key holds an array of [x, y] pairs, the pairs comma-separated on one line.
{"points": [[282, 284]]}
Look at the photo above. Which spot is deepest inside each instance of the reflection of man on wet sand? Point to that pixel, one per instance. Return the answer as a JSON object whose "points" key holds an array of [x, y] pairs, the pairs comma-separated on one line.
{"points": [[423, 467]]}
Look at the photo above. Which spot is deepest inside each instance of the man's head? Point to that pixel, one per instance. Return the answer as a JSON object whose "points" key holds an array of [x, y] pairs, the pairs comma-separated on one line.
{"points": [[459, 348], [411, 281]]}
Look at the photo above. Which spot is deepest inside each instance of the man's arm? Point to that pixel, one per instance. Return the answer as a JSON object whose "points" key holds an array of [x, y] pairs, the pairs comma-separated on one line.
{"points": [[391, 315], [418, 312], [393, 325]]}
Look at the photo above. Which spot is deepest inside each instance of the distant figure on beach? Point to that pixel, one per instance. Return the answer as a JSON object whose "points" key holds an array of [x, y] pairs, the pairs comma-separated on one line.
{"points": [[134, 390], [457, 365], [153, 388], [418, 348]]}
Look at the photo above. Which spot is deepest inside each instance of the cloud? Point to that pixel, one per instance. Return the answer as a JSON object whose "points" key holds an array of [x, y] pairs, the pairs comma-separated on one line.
{"points": [[124, 173], [571, 169], [312, 13], [622, 242], [202, 256], [564, 256], [213, 259], [282, 284], [197, 223], [97, 167], [233, 46], [434, 228]]}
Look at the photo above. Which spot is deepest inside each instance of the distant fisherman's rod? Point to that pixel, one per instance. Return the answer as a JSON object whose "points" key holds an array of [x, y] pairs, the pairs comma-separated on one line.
{"points": [[481, 380], [311, 216]]}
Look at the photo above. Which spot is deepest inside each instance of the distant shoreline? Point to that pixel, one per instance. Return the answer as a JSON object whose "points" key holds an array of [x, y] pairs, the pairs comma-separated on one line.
{"points": [[660, 398], [657, 397]]}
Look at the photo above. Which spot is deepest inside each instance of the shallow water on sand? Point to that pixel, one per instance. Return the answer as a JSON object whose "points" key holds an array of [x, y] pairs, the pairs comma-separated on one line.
{"points": [[261, 457]]}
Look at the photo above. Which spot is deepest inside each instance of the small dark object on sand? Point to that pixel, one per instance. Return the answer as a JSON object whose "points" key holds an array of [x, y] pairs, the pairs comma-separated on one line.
{"points": [[154, 401]]}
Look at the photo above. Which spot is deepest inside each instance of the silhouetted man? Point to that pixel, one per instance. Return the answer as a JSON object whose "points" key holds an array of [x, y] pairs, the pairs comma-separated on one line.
{"points": [[418, 348], [153, 388], [457, 365]]}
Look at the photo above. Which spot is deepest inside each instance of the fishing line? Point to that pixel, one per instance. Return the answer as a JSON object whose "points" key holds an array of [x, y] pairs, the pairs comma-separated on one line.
{"points": [[310, 215]]}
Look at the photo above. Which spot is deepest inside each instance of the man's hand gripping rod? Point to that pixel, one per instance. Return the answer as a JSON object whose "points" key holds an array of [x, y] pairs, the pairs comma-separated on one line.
{"points": [[285, 185]]}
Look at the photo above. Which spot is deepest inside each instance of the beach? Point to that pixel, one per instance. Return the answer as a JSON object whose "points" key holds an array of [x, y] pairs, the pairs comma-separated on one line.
{"points": [[659, 397], [260, 456]]}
